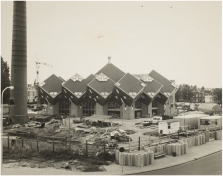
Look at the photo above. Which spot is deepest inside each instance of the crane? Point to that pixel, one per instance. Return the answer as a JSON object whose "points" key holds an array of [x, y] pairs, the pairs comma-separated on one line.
{"points": [[37, 70], [37, 78]]}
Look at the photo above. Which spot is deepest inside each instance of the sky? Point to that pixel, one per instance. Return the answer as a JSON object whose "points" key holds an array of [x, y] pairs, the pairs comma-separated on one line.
{"points": [[180, 40]]}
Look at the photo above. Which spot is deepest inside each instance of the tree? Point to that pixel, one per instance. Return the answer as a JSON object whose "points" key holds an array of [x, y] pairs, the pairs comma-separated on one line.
{"points": [[5, 81], [185, 92], [217, 95], [178, 94], [202, 89]]}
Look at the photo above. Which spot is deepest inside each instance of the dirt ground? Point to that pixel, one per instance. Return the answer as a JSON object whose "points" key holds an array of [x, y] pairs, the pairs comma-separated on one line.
{"points": [[35, 165]]}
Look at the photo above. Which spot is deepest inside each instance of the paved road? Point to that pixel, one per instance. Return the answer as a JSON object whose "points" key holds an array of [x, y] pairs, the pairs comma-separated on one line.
{"points": [[209, 165]]}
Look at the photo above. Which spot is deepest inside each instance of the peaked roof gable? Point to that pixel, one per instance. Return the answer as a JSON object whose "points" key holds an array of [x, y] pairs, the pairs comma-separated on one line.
{"points": [[112, 72], [167, 85], [130, 85], [102, 86], [78, 86], [52, 84]]}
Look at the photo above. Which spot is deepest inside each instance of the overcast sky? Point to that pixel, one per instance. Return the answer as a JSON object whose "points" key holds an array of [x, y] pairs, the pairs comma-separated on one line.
{"points": [[180, 40]]}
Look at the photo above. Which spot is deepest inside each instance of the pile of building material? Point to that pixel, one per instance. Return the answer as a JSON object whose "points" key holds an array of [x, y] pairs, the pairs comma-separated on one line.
{"points": [[218, 135], [158, 148], [176, 149], [213, 135], [179, 148], [195, 140], [135, 159]]}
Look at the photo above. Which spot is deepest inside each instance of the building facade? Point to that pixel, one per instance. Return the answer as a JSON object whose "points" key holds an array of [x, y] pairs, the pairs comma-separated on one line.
{"points": [[209, 99], [197, 96], [31, 93], [109, 92]]}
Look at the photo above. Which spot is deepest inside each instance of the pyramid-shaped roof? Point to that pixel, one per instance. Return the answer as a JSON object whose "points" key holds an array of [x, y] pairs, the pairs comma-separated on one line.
{"points": [[130, 85], [168, 86], [52, 84], [112, 72], [77, 84]]}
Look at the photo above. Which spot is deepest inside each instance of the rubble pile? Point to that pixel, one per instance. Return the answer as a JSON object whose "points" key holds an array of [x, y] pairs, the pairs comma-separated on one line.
{"points": [[100, 123]]}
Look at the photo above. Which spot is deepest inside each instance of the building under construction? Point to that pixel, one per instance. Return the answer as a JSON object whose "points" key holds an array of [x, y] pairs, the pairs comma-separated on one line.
{"points": [[109, 92]]}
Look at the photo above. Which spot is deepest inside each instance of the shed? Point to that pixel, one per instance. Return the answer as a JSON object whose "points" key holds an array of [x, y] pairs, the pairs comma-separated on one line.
{"points": [[169, 126], [210, 121], [190, 120], [210, 108]]}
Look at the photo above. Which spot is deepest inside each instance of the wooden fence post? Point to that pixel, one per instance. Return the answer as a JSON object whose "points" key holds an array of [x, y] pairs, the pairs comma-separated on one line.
{"points": [[22, 142], [169, 136], [8, 142], [37, 145], [129, 145], [53, 144], [104, 148], [139, 144], [86, 149], [149, 140]]}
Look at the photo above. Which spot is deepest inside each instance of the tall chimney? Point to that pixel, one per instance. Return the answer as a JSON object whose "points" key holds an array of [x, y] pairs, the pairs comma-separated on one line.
{"points": [[19, 64], [109, 59]]}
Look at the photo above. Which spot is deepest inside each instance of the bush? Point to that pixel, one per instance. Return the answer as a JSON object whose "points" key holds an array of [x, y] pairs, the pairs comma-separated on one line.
{"points": [[106, 156]]}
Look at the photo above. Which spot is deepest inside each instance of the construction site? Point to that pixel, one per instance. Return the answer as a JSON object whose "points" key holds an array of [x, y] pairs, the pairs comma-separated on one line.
{"points": [[100, 137], [111, 117]]}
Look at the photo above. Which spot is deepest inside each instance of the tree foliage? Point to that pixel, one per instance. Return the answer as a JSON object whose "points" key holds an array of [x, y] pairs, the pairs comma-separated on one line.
{"points": [[217, 95], [5, 81], [185, 92]]}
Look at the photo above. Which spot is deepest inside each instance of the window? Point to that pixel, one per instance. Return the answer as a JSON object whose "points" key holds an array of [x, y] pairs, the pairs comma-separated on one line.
{"points": [[154, 104], [147, 78], [113, 105], [42, 84], [104, 94], [88, 108], [138, 104], [101, 77], [151, 94], [204, 122], [53, 94], [132, 94], [77, 77], [78, 94], [64, 107]]}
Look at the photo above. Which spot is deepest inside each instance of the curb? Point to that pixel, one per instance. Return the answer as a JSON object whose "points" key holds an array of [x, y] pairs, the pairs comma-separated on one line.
{"points": [[173, 165]]}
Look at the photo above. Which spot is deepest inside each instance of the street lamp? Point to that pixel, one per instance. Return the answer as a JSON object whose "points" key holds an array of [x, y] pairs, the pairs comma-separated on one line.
{"points": [[2, 112], [10, 87]]}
